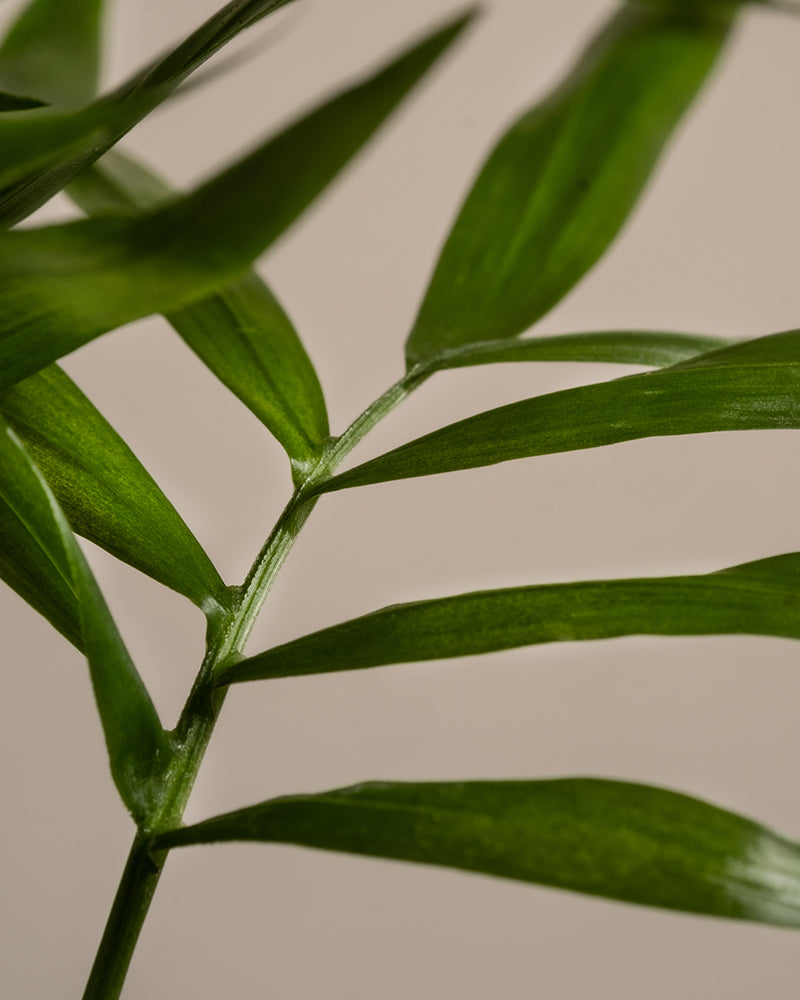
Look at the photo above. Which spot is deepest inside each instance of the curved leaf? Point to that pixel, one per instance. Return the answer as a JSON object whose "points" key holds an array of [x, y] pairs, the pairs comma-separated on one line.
{"points": [[61, 286], [241, 333], [104, 490], [758, 598], [52, 50], [563, 180], [606, 838], [139, 750], [750, 386]]}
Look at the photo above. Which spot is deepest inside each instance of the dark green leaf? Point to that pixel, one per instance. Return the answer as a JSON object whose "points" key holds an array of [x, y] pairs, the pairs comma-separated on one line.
{"points": [[563, 180], [760, 598], [241, 333], [53, 51], [61, 286], [105, 492], [749, 386], [606, 838], [60, 146], [12, 102], [138, 748]]}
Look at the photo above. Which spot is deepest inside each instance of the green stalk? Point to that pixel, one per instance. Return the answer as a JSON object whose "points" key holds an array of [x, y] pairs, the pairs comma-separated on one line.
{"points": [[201, 711]]}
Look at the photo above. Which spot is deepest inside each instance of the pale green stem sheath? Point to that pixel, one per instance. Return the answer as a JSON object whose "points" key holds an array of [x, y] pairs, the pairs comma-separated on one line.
{"points": [[196, 724]]}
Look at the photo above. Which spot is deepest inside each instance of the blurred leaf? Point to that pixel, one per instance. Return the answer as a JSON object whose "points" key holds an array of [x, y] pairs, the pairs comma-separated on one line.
{"points": [[759, 598], [12, 102], [62, 286], [138, 748], [52, 50], [102, 487], [606, 838], [242, 334], [40, 155], [749, 386], [625, 347], [563, 180]]}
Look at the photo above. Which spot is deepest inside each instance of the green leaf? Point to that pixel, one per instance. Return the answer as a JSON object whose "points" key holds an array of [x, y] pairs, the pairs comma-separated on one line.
{"points": [[749, 386], [53, 50], [104, 490], [563, 180], [40, 154], [64, 285], [242, 334], [758, 598], [628, 347], [606, 838], [138, 748], [13, 102]]}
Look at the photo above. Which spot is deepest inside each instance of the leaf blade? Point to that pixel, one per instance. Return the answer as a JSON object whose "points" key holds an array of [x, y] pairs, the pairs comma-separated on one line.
{"points": [[606, 838]]}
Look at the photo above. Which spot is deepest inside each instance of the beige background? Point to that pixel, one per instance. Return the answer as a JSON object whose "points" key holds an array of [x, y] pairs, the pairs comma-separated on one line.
{"points": [[712, 248]]}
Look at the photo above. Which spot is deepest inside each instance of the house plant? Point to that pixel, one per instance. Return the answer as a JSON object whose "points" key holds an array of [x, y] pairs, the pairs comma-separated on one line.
{"points": [[444, 591]]}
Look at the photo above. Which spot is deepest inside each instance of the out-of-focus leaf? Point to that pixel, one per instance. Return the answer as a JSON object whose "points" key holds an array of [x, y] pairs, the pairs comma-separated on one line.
{"points": [[606, 838], [40, 155], [759, 598], [13, 102], [242, 334], [61, 286], [625, 347], [138, 748], [102, 487], [563, 180], [749, 386], [52, 50]]}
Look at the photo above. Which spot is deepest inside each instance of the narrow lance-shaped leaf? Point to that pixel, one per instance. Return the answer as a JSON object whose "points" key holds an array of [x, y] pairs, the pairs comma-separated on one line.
{"points": [[241, 333], [52, 50], [563, 180], [63, 285], [42, 153], [759, 598], [606, 838], [139, 749], [749, 386], [104, 490]]}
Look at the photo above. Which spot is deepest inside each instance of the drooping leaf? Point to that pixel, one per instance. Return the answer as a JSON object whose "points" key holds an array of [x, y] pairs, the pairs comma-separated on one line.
{"points": [[749, 386], [632, 347], [40, 154], [757, 598], [104, 490], [138, 748], [241, 333], [63, 285], [563, 180], [52, 50], [606, 838]]}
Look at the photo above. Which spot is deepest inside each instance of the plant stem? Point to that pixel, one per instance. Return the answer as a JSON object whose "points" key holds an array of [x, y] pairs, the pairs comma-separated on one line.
{"points": [[199, 716]]}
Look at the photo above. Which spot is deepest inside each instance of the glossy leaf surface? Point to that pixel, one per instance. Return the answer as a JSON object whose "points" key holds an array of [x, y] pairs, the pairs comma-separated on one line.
{"points": [[64, 285], [52, 51], [758, 598], [138, 748], [241, 333], [563, 180], [39, 155], [748, 386], [102, 487], [606, 838]]}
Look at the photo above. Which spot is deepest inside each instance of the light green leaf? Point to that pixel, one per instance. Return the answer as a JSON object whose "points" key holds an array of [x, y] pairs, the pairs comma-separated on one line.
{"points": [[606, 838], [242, 334], [62, 286], [749, 386], [563, 180], [138, 748], [104, 490], [41, 153], [758, 598], [52, 50]]}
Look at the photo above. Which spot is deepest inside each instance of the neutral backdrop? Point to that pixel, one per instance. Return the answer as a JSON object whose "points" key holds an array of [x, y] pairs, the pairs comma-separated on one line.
{"points": [[711, 248]]}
